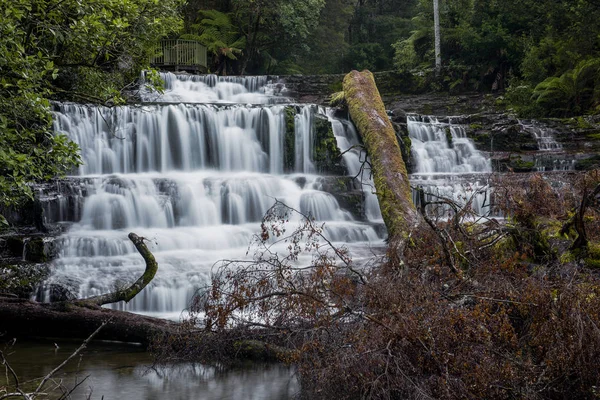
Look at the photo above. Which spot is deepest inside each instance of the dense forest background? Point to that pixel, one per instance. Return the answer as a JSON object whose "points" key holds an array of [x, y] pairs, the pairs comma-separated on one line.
{"points": [[543, 56], [541, 50]]}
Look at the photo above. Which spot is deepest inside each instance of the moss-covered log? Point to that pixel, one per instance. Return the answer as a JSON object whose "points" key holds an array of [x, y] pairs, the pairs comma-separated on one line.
{"points": [[127, 294], [389, 171]]}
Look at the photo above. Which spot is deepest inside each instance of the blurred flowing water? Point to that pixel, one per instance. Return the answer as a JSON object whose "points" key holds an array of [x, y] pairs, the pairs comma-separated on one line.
{"points": [[194, 171]]}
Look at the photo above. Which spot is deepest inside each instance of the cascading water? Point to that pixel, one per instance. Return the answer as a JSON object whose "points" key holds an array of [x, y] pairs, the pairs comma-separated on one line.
{"points": [[551, 156], [354, 160], [185, 88], [194, 179], [447, 164], [544, 137]]}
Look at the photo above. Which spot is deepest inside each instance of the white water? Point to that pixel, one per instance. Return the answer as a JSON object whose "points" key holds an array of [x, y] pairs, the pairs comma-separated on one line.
{"points": [[443, 148], [184, 88], [543, 135], [447, 164], [551, 156], [194, 179], [354, 159]]}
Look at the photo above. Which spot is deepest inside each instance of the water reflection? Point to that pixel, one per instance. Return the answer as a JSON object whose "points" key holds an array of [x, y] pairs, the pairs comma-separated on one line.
{"points": [[119, 371]]}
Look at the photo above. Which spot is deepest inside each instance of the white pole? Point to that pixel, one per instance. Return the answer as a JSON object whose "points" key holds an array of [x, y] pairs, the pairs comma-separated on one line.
{"points": [[436, 23]]}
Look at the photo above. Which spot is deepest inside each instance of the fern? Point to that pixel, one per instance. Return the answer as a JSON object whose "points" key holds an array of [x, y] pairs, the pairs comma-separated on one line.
{"points": [[574, 92], [221, 37]]}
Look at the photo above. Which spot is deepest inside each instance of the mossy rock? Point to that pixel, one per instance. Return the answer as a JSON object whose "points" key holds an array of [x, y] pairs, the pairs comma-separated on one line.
{"points": [[289, 143], [22, 279], [39, 249], [588, 164], [517, 164], [326, 155]]}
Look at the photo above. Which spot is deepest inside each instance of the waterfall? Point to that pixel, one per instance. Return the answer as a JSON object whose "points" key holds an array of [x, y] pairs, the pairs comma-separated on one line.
{"points": [[185, 88], [195, 180], [543, 135], [447, 164], [443, 148], [551, 156]]}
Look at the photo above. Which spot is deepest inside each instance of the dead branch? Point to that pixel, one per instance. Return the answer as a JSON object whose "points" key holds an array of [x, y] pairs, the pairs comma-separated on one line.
{"points": [[127, 294]]}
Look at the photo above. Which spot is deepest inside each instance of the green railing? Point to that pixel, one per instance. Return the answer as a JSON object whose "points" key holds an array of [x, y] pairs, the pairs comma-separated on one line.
{"points": [[180, 54]]}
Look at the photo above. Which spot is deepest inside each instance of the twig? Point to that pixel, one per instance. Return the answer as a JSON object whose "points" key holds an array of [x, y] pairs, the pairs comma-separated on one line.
{"points": [[76, 352]]}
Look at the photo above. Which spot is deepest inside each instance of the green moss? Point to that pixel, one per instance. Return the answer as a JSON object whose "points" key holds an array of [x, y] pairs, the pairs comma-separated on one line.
{"points": [[582, 123], [592, 259], [567, 257], [552, 229], [326, 155], [476, 126], [338, 99], [449, 137], [518, 165], [21, 280], [389, 171], [289, 154], [593, 136]]}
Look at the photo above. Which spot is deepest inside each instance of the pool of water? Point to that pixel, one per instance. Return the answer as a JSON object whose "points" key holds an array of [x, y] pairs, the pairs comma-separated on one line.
{"points": [[122, 371]]}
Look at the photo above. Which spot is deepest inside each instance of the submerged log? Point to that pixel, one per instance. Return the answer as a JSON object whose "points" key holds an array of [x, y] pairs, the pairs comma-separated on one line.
{"points": [[128, 294], [78, 318], [389, 171]]}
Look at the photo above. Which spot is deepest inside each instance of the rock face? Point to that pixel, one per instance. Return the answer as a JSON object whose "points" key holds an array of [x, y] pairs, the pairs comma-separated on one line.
{"points": [[34, 225], [513, 144], [318, 88]]}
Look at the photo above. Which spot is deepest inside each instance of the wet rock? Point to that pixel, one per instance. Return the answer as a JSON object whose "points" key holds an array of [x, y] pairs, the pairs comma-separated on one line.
{"points": [[21, 279], [326, 155]]}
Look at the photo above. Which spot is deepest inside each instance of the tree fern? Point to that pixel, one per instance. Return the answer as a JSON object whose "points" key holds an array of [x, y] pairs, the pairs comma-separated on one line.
{"points": [[221, 37], [574, 92]]}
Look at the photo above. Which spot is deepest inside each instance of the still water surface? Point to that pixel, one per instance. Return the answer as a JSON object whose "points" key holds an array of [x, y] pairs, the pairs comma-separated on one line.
{"points": [[123, 372]]}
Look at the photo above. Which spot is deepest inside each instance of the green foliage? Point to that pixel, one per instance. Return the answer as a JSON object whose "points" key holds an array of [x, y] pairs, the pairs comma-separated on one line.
{"points": [[519, 98], [518, 43], [573, 92], [367, 56], [221, 37], [89, 51], [257, 35]]}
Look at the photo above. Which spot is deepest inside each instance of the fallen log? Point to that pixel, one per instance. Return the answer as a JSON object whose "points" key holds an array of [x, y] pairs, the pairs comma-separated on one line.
{"points": [[25, 318], [128, 294], [389, 171], [76, 319]]}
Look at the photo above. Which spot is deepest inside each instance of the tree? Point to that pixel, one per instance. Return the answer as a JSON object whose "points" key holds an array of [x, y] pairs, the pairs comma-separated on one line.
{"points": [[436, 27], [216, 31], [90, 51], [389, 171]]}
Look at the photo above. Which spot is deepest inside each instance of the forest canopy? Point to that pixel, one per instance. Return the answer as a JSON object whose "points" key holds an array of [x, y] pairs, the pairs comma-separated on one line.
{"points": [[543, 56], [543, 53]]}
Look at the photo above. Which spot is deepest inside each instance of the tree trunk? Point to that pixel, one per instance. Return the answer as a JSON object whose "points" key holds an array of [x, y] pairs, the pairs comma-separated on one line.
{"points": [[128, 294], [436, 28], [389, 172]]}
